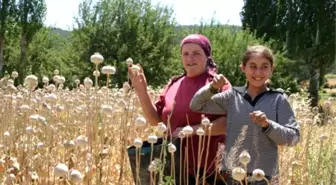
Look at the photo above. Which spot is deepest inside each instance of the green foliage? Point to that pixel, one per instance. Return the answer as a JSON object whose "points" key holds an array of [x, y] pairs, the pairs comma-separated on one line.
{"points": [[305, 30], [120, 29], [147, 33]]}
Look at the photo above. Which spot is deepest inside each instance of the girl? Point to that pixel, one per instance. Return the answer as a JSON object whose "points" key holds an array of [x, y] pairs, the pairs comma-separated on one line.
{"points": [[267, 114]]}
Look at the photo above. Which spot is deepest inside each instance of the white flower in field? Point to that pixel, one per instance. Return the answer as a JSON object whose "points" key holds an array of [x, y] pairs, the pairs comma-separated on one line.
{"points": [[31, 81], [244, 157], [181, 134], [135, 68], [52, 97], [56, 78], [205, 121], [323, 137], [152, 139], [42, 120], [37, 99], [56, 72], [46, 106], [16, 166], [96, 73], [308, 121], [258, 174], [82, 87], [200, 131], [77, 81], [51, 87], [29, 130], [19, 97], [97, 58], [126, 87], [81, 141], [88, 157], [122, 104], [140, 122], [6, 134], [34, 117], [109, 70], [162, 127], [33, 176], [61, 80], [69, 144], [12, 177], [10, 82], [24, 108], [88, 82], [107, 109], [171, 148], [39, 145], [137, 143], [7, 96], [188, 130], [61, 170], [45, 79], [15, 74], [152, 168], [75, 176], [129, 61], [327, 103], [59, 108], [238, 174]]}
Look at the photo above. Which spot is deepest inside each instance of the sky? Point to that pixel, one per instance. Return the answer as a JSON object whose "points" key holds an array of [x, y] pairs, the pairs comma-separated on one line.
{"points": [[60, 13]]}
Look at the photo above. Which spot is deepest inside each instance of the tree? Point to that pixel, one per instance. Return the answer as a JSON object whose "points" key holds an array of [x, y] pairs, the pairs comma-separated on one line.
{"points": [[229, 44], [119, 29], [305, 30], [6, 15], [30, 15]]}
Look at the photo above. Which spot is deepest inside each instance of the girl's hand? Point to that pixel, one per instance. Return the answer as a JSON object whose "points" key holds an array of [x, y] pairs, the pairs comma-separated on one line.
{"points": [[219, 81], [259, 118]]}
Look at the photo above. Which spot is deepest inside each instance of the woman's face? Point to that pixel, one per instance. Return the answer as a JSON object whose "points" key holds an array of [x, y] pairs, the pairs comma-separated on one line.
{"points": [[194, 59]]}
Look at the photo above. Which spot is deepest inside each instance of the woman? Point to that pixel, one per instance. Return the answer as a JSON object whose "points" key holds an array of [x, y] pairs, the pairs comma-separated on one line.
{"points": [[199, 70]]}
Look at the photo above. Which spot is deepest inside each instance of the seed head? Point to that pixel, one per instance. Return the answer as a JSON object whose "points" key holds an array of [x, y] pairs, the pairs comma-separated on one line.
{"points": [[238, 174], [188, 130], [244, 157], [258, 174], [152, 139]]}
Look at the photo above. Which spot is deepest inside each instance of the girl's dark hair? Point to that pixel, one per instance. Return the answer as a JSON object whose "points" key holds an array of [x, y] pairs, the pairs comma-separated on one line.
{"points": [[258, 49]]}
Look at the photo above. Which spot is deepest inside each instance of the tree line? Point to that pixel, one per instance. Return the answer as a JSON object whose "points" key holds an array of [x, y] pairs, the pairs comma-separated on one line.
{"points": [[302, 34]]}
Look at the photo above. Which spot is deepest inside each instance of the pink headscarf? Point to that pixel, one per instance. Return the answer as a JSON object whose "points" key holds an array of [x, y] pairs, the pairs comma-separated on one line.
{"points": [[204, 43]]}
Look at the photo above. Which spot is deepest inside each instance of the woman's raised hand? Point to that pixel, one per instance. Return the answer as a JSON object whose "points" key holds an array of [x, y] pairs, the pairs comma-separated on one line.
{"points": [[137, 77]]}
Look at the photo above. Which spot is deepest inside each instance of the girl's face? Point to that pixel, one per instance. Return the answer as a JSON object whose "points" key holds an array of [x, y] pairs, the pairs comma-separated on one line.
{"points": [[194, 59], [257, 70]]}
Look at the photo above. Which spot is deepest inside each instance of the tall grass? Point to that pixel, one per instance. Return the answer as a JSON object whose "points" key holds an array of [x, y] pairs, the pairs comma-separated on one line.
{"points": [[89, 130]]}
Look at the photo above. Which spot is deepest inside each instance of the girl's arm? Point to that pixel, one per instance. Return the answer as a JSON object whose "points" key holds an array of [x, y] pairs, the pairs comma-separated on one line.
{"points": [[207, 101], [286, 130]]}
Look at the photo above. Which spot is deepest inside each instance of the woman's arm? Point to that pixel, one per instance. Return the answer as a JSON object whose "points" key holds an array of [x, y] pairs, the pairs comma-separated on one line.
{"points": [[139, 83], [148, 108]]}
